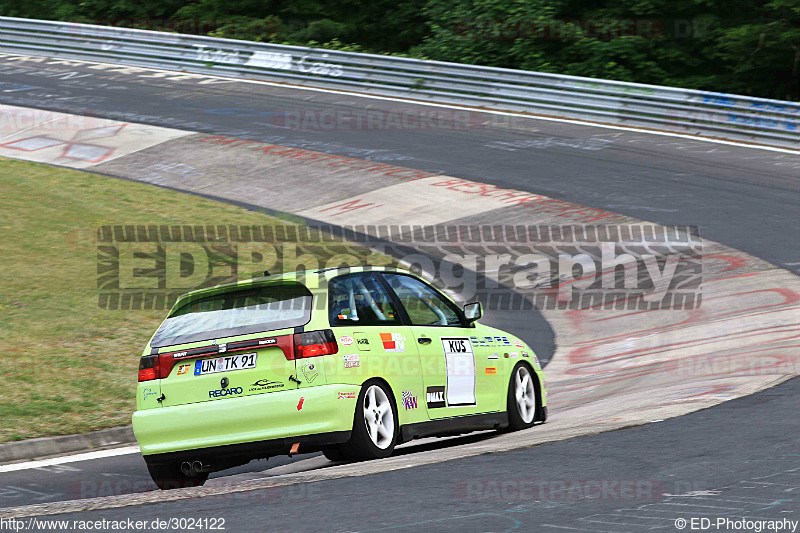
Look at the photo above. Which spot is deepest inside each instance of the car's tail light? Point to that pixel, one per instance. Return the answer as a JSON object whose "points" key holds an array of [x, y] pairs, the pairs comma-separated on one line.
{"points": [[149, 368], [315, 343]]}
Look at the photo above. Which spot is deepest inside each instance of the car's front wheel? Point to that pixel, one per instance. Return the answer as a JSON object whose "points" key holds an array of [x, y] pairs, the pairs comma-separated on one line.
{"points": [[374, 424], [522, 399], [168, 476]]}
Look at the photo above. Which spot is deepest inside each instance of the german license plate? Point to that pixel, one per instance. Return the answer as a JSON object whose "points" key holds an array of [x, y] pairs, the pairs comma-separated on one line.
{"points": [[227, 363]]}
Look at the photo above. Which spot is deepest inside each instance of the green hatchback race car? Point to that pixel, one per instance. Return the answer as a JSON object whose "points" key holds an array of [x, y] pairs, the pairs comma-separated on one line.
{"points": [[349, 361]]}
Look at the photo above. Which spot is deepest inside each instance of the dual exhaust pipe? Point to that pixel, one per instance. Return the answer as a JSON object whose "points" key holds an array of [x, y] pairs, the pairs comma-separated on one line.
{"points": [[195, 467]]}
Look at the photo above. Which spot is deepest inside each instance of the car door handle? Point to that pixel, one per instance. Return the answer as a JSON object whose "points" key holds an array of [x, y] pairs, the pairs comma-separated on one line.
{"points": [[424, 340]]}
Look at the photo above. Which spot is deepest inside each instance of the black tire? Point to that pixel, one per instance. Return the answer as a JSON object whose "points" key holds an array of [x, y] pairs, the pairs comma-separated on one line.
{"points": [[168, 476], [334, 453], [361, 445], [517, 419]]}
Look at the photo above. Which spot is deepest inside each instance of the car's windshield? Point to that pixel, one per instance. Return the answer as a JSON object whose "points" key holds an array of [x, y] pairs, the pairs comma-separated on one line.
{"points": [[238, 312]]}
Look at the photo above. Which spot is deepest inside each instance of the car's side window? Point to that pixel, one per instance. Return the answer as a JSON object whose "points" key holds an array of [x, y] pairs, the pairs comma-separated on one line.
{"points": [[359, 299], [423, 304]]}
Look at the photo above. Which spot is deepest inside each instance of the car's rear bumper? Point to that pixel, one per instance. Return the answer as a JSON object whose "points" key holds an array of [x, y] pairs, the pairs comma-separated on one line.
{"points": [[230, 455], [257, 426]]}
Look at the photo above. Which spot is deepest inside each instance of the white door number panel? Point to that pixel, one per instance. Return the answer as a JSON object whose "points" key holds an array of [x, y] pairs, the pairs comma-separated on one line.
{"points": [[225, 364], [460, 361]]}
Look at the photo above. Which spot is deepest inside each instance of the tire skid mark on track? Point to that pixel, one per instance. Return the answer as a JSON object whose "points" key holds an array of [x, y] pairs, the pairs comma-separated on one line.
{"points": [[208, 157], [643, 366]]}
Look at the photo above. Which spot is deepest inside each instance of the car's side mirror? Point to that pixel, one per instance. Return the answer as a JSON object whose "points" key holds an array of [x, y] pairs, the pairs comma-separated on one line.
{"points": [[473, 311]]}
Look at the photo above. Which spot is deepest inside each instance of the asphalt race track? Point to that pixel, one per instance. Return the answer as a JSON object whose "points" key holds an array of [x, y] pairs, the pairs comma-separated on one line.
{"points": [[742, 197], [729, 461]]}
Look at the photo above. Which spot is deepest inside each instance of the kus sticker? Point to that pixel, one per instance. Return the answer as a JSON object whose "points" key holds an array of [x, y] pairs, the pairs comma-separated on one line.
{"points": [[409, 400], [460, 366], [435, 397], [393, 342], [351, 360]]}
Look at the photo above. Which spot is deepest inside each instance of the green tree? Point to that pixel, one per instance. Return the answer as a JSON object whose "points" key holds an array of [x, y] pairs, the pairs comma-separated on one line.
{"points": [[742, 46], [763, 57]]}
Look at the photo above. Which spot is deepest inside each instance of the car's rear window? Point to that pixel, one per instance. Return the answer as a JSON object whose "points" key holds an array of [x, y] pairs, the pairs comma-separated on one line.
{"points": [[238, 312]]}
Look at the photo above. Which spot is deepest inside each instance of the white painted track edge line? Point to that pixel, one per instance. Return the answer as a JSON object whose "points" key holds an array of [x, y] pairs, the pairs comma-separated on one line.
{"points": [[64, 459]]}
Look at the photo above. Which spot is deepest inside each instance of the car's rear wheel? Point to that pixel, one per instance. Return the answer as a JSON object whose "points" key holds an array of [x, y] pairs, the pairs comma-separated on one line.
{"points": [[522, 400], [168, 476], [374, 424]]}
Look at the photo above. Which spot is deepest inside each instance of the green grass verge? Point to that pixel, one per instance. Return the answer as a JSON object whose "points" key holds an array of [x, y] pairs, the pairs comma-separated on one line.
{"points": [[66, 365]]}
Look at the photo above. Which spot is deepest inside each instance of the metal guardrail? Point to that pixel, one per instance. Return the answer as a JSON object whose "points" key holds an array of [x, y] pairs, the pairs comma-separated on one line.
{"points": [[665, 108]]}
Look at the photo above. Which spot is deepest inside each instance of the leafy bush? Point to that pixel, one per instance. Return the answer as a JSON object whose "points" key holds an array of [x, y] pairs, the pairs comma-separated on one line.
{"points": [[742, 46]]}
